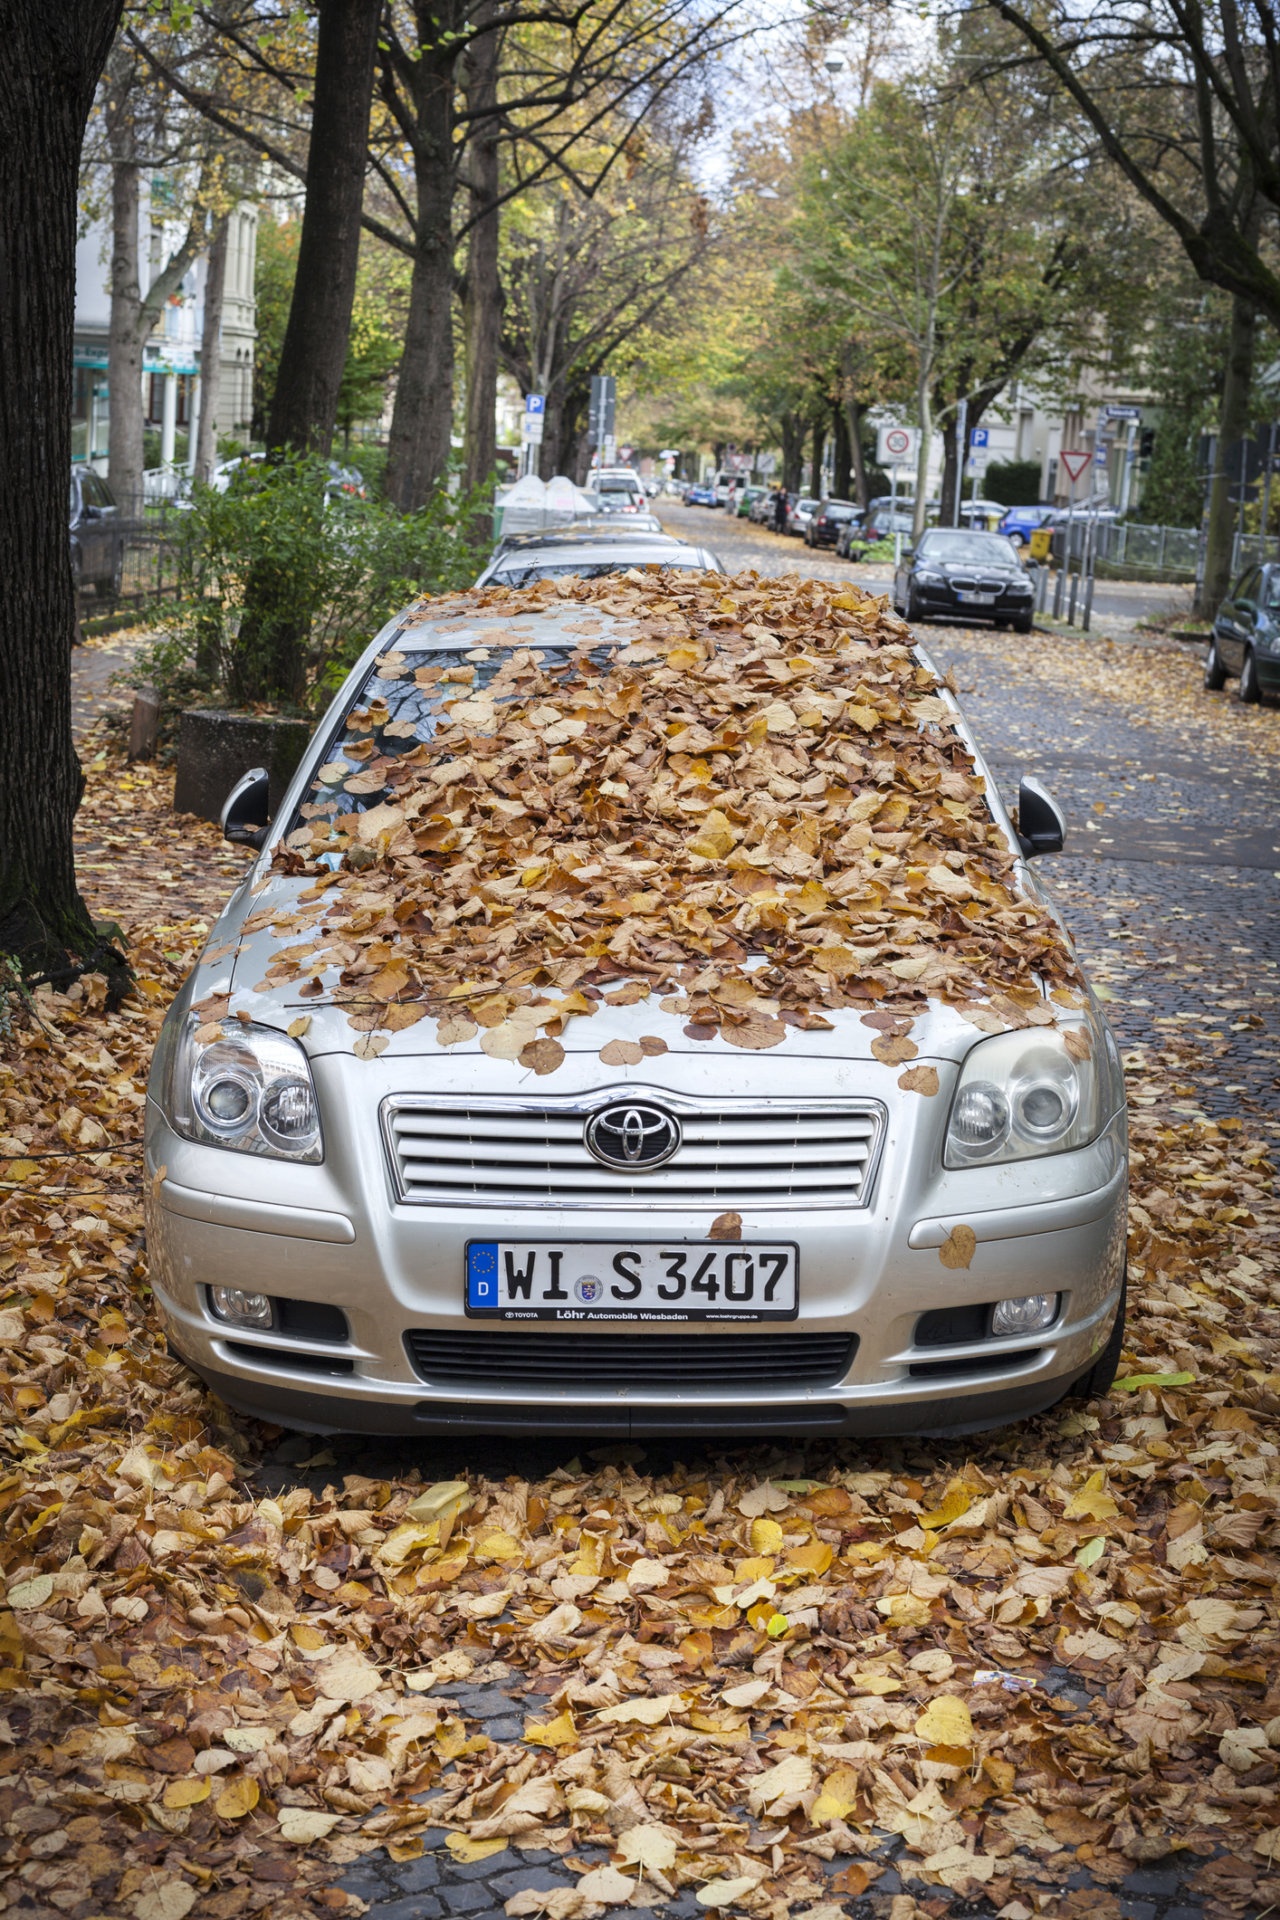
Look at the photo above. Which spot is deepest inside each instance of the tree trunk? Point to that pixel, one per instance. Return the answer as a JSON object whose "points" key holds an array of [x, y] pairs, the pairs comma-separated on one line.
{"points": [[842, 475], [305, 404], [421, 425], [1233, 427], [855, 413], [483, 314], [211, 352], [792, 450], [951, 477], [52, 59], [815, 461], [126, 338], [925, 416]]}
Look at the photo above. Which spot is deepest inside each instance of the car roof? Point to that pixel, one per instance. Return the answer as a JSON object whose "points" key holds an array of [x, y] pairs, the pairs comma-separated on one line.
{"points": [[603, 534], [651, 553]]}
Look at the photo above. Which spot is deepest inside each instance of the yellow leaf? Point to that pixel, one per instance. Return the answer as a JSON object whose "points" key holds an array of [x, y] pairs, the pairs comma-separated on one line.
{"points": [[815, 1556], [716, 838], [954, 1503], [467, 1851], [776, 1625], [766, 1536], [726, 1893], [1092, 1502], [946, 1722], [238, 1797], [560, 1732], [1091, 1552], [306, 1639], [647, 1711], [498, 1545], [187, 1792]]}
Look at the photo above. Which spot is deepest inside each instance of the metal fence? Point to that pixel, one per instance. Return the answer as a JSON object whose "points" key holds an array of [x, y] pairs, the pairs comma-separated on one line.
{"points": [[1120, 543], [130, 557]]}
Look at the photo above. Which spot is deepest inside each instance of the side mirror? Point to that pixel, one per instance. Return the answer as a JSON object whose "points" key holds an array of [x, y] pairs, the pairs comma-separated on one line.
{"points": [[1042, 827], [246, 815]]}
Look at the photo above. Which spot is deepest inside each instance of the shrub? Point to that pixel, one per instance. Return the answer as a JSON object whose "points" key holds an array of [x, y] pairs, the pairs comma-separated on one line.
{"points": [[283, 579], [1014, 483]]}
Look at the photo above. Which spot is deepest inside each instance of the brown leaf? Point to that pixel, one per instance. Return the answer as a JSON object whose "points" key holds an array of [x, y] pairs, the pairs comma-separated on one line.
{"points": [[919, 1080], [725, 1226], [957, 1249], [621, 1053], [893, 1049], [544, 1055]]}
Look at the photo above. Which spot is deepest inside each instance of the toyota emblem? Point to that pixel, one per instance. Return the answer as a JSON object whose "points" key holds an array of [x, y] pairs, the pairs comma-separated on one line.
{"points": [[632, 1136]]}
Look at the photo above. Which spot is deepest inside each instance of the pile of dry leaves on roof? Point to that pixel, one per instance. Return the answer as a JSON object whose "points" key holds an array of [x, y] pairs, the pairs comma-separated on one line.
{"points": [[759, 805], [1044, 1653]]}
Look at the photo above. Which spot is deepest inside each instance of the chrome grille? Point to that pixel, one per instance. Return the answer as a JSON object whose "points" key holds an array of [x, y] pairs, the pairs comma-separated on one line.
{"points": [[475, 1153]]}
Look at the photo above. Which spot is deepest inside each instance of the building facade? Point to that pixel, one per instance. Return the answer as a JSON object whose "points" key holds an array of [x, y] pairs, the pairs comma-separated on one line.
{"points": [[173, 379]]}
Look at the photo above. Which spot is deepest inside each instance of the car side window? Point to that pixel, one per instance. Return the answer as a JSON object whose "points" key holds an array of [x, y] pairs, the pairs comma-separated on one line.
{"points": [[1272, 601], [1247, 585]]}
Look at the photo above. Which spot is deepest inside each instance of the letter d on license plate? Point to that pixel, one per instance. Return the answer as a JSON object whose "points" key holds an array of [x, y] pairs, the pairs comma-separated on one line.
{"points": [[612, 1281]]}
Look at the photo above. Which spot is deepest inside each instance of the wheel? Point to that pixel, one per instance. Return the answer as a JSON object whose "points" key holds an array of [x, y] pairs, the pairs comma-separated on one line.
{"points": [[1023, 623], [913, 605], [1014, 539], [1215, 674], [1247, 688], [1098, 1378]]}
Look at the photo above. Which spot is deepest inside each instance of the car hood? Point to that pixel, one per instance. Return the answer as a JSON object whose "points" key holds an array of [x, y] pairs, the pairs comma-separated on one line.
{"points": [[230, 981]]}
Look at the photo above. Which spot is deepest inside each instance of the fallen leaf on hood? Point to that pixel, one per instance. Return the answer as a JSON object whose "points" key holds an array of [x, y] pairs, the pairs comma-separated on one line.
{"points": [[958, 1249]]}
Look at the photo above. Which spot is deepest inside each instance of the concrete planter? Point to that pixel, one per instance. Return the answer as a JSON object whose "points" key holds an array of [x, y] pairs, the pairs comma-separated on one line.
{"points": [[215, 748]]}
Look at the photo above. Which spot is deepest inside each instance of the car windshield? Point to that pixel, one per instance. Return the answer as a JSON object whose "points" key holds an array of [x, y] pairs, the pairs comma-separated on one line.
{"points": [[385, 738], [525, 574], [968, 550]]}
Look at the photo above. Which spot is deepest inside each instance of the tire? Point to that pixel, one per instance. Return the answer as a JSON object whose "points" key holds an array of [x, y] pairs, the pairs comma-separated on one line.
{"points": [[1215, 674], [1014, 539], [912, 611], [1023, 623], [1097, 1380], [1247, 689]]}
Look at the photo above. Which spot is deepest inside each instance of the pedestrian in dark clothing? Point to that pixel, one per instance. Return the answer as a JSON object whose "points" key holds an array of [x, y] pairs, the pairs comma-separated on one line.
{"points": [[780, 510]]}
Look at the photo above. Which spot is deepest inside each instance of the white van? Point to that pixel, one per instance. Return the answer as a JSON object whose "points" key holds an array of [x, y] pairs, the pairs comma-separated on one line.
{"points": [[726, 478]]}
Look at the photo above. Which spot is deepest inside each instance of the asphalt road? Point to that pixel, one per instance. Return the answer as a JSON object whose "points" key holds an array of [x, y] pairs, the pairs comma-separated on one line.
{"points": [[740, 544]]}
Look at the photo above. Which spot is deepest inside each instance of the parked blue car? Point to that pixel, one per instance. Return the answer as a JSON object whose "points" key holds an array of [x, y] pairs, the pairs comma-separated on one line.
{"points": [[1020, 523]]}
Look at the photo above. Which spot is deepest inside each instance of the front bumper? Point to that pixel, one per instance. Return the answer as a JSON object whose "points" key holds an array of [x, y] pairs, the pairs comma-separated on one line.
{"points": [[337, 1235], [946, 599]]}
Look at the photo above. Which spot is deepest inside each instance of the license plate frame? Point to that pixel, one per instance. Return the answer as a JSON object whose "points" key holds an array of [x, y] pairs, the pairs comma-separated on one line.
{"points": [[974, 597], [485, 1271]]}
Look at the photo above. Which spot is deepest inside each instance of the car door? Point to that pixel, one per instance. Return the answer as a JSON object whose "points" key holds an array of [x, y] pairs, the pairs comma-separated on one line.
{"points": [[1234, 626]]}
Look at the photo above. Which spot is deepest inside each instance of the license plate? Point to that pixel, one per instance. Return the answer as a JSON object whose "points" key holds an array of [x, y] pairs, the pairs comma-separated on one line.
{"points": [[614, 1281], [973, 599]]}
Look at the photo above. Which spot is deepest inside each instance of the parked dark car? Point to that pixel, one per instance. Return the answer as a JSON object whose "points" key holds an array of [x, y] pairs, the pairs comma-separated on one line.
{"points": [[1245, 643], [954, 572], [823, 529], [881, 523], [97, 552]]}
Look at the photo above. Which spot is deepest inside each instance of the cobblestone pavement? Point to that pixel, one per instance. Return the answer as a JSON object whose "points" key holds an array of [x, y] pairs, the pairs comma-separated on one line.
{"points": [[1171, 889]]}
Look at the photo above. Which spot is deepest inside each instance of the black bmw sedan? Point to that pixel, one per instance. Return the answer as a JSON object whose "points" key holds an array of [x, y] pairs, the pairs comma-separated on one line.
{"points": [[957, 573]]}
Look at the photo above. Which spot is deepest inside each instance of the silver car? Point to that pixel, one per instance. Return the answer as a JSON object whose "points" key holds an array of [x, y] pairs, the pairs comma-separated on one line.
{"points": [[409, 1237], [590, 551]]}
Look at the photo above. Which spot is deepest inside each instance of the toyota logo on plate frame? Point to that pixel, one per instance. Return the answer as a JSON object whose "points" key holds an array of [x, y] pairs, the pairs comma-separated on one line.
{"points": [[632, 1136]]}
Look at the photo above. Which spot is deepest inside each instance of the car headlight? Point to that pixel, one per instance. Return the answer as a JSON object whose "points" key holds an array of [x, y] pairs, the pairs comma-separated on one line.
{"points": [[927, 578], [250, 1089], [1023, 1094]]}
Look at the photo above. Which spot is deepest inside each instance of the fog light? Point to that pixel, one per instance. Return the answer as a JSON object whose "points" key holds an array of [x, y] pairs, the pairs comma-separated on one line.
{"points": [[244, 1309], [1031, 1314]]}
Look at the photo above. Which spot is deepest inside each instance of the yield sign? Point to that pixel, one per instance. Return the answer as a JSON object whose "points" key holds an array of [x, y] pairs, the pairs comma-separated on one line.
{"points": [[1075, 464]]}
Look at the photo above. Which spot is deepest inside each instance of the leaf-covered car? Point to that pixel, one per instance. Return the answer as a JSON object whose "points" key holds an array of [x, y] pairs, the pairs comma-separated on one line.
{"points": [[640, 1017]]}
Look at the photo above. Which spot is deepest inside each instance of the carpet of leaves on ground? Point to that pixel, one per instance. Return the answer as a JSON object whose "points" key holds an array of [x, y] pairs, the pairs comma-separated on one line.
{"points": [[739, 1673]]}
